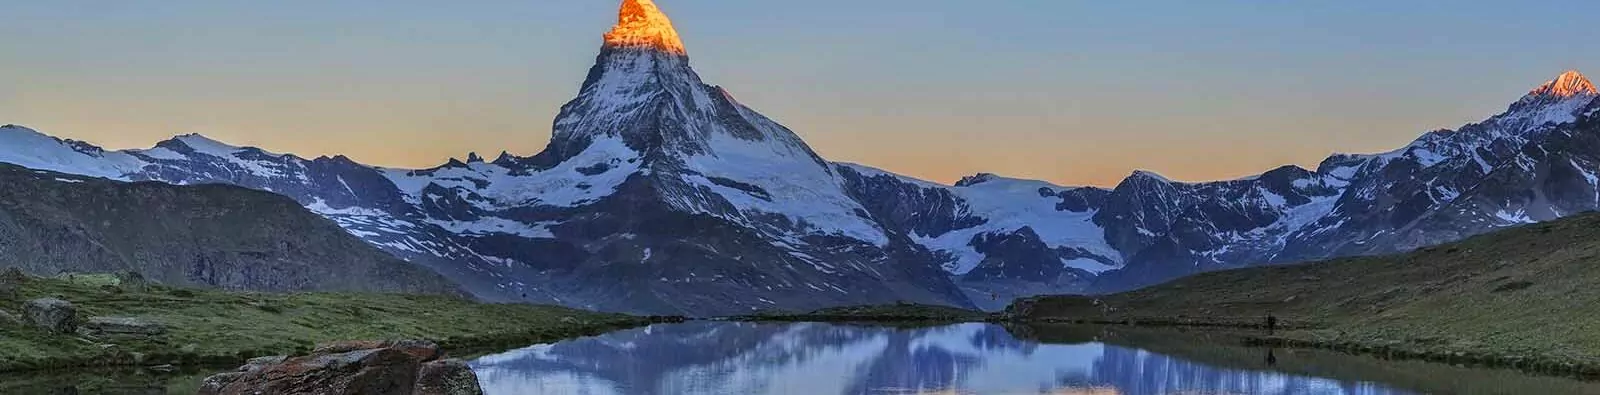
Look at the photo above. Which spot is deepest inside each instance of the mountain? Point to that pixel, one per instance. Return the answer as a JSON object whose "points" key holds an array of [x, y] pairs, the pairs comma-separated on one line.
{"points": [[213, 236], [659, 193], [1534, 162]]}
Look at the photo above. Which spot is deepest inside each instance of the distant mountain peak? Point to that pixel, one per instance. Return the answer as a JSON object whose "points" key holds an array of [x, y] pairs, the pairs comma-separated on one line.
{"points": [[1146, 174], [976, 179], [1568, 84], [1556, 101], [640, 24]]}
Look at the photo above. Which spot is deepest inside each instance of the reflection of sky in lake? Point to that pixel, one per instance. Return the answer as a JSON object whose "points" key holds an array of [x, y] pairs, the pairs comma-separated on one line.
{"points": [[745, 358]]}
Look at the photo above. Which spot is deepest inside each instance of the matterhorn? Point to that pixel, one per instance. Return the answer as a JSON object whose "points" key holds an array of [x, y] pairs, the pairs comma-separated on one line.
{"points": [[661, 194]]}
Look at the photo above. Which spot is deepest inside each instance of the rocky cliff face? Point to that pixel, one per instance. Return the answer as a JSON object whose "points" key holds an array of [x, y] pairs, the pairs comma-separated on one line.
{"points": [[214, 236]]}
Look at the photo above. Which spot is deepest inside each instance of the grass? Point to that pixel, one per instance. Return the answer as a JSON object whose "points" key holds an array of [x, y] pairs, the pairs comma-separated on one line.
{"points": [[223, 328], [1525, 297]]}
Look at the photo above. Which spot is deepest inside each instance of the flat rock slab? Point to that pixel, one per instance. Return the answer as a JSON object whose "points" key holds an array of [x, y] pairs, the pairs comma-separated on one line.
{"points": [[123, 326]]}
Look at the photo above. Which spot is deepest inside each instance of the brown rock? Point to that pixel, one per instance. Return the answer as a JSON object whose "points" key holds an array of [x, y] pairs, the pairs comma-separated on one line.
{"points": [[354, 367], [447, 377], [347, 346], [213, 385], [262, 363], [422, 350]]}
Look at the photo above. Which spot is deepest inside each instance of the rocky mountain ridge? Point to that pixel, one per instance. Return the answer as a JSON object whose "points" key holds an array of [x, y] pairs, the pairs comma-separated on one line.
{"points": [[659, 193]]}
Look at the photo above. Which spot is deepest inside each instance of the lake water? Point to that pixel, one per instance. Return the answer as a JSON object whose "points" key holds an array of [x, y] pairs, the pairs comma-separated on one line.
{"points": [[823, 359], [820, 359]]}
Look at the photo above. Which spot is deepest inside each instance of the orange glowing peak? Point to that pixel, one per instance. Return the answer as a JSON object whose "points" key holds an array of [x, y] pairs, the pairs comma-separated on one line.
{"points": [[641, 24], [1569, 84]]}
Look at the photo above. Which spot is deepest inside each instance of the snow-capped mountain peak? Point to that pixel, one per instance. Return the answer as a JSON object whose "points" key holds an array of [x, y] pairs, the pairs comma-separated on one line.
{"points": [[1569, 84], [1555, 102], [659, 193], [641, 24]]}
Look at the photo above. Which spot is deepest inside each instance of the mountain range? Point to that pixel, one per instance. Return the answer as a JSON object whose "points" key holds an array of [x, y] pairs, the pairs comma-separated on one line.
{"points": [[659, 193], [212, 236]]}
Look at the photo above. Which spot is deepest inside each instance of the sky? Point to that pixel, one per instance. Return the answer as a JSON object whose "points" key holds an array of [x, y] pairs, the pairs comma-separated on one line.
{"points": [[1073, 92]]}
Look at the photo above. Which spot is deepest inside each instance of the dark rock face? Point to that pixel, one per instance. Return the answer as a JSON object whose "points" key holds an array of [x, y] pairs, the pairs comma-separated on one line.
{"points": [[52, 315], [397, 367], [11, 282], [211, 236]]}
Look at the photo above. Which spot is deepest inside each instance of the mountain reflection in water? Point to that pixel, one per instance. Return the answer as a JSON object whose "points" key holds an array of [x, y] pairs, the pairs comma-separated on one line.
{"points": [[812, 358]]}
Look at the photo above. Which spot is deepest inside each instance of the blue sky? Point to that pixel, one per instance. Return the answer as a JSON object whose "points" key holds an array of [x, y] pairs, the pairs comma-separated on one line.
{"points": [[1075, 92]]}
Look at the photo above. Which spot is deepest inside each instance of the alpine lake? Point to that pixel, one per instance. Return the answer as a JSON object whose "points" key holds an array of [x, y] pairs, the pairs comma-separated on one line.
{"points": [[724, 357]]}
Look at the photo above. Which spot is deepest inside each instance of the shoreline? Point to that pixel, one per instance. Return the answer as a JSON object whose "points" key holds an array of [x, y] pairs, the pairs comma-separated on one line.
{"points": [[1535, 365], [210, 328], [460, 345], [1297, 336], [225, 329]]}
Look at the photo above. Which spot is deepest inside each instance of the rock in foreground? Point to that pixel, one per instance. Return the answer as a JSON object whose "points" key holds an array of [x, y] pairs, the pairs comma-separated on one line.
{"points": [[396, 367]]}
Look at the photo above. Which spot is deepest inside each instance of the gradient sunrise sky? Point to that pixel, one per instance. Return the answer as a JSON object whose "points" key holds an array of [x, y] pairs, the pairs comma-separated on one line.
{"points": [[1075, 92]]}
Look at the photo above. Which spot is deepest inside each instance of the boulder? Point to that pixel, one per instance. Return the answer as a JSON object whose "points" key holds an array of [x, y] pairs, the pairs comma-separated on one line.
{"points": [[255, 364], [447, 377], [354, 367], [422, 350], [216, 383], [132, 281], [123, 327], [52, 315]]}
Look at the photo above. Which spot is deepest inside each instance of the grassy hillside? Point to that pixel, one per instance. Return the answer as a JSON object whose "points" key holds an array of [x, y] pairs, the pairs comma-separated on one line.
{"points": [[208, 236], [214, 327], [1526, 297]]}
